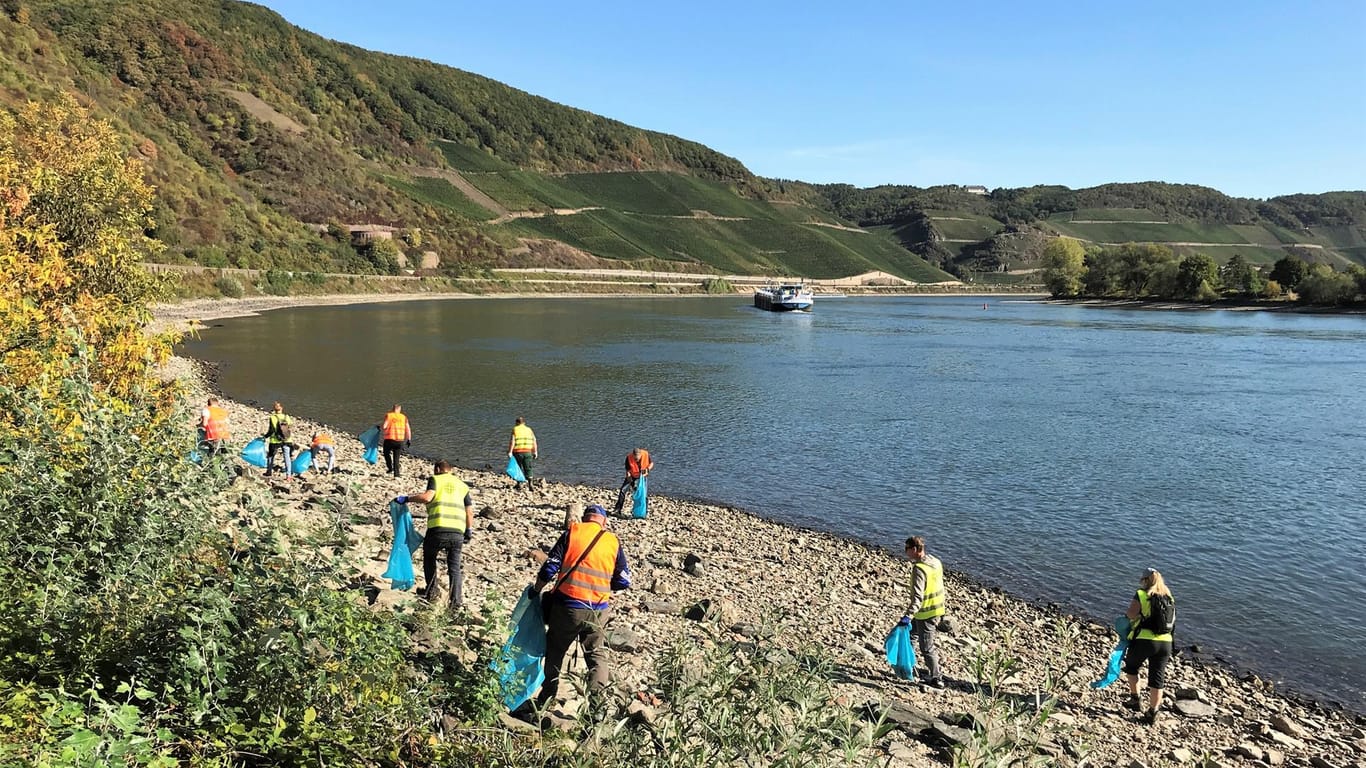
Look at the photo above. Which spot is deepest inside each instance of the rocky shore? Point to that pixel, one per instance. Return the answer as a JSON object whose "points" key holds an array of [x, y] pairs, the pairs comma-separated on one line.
{"points": [[751, 576]]}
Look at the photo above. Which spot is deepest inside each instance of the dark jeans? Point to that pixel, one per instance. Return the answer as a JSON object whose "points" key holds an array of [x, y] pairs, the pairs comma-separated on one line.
{"points": [[923, 630], [628, 488], [271, 450], [393, 449], [564, 625], [451, 542]]}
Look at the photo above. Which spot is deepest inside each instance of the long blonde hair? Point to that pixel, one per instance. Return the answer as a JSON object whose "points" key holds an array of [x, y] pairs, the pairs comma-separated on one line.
{"points": [[1153, 583]]}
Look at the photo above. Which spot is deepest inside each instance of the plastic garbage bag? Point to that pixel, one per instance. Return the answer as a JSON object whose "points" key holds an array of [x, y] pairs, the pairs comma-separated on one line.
{"points": [[520, 664], [195, 457], [901, 652], [514, 470], [406, 541], [638, 501], [255, 452], [1112, 667], [370, 439], [302, 461]]}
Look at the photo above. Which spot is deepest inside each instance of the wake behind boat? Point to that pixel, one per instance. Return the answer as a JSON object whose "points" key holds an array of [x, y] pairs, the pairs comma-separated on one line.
{"points": [[784, 297]]}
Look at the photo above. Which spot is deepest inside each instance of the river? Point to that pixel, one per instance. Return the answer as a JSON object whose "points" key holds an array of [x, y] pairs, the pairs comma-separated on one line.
{"points": [[1053, 450]]}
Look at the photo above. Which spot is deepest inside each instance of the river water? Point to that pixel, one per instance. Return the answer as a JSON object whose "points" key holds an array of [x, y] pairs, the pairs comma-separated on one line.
{"points": [[1053, 450]]}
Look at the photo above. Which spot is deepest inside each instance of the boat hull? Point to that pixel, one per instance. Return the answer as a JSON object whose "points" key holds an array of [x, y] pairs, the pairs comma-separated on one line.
{"points": [[763, 302], [785, 298]]}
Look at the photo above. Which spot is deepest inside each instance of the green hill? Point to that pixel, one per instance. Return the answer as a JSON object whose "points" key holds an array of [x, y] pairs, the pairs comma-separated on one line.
{"points": [[254, 129], [991, 236]]}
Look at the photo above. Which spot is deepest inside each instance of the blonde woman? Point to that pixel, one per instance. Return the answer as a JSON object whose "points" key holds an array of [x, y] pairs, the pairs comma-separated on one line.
{"points": [[1152, 614]]}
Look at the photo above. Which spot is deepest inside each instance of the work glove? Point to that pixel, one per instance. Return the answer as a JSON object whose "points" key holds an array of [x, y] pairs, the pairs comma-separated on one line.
{"points": [[401, 499], [905, 621], [407, 443], [468, 535]]}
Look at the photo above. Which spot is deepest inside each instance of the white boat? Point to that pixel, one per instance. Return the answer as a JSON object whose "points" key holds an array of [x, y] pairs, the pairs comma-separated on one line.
{"points": [[784, 297]]}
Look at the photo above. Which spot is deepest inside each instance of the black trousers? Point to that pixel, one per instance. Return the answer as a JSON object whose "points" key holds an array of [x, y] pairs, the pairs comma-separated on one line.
{"points": [[393, 449], [628, 487], [450, 542]]}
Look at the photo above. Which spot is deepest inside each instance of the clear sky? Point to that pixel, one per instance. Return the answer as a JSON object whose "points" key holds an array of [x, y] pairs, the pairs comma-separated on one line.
{"points": [[1256, 98]]}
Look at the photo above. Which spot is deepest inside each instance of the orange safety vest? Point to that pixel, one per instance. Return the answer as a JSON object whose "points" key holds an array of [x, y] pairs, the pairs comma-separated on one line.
{"points": [[216, 427], [591, 580], [637, 468], [322, 439], [396, 426]]}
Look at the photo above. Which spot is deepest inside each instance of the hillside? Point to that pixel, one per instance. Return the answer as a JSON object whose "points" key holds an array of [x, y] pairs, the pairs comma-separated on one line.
{"points": [[991, 236], [270, 146]]}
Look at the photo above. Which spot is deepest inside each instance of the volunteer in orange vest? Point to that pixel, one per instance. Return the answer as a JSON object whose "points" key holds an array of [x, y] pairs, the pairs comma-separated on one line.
{"points": [[450, 525], [928, 601], [638, 465], [323, 443], [397, 434], [523, 448], [586, 565], [213, 427]]}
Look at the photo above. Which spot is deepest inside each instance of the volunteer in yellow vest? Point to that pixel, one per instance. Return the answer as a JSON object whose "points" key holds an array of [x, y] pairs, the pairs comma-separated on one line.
{"points": [[323, 443], [397, 435], [277, 435], [1151, 642], [523, 448], [587, 565], [213, 427], [927, 605], [638, 465], [450, 524]]}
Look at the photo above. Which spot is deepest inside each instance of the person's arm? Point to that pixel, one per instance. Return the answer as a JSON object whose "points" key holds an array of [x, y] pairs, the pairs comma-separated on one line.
{"points": [[469, 515], [511, 442], [553, 562], [621, 572], [426, 496], [408, 430], [535, 447], [917, 590]]}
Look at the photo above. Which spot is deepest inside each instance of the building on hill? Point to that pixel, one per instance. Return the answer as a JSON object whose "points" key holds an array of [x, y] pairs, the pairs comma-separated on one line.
{"points": [[976, 189], [367, 233]]}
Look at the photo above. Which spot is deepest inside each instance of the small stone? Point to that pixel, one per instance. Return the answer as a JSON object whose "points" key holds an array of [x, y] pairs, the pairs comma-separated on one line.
{"points": [[692, 565], [1289, 742], [1137, 764], [1194, 709], [489, 513], [1249, 750], [1189, 694], [623, 639], [1287, 726], [1182, 755], [514, 724], [660, 606], [1273, 756]]}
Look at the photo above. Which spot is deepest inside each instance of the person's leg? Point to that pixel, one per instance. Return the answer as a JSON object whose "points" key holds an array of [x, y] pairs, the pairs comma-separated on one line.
{"points": [[289, 460], [398, 453], [593, 638], [331, 459], [1138, 652], [271, 449], [429, 557], [1157, 675], [523, 463], [627, 486], [453, 549], [924, 630], [389, 455], [559, 634]]}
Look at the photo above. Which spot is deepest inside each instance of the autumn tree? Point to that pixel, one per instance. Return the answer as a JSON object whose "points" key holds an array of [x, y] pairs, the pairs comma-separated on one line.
{"points": [[1064, 266]]}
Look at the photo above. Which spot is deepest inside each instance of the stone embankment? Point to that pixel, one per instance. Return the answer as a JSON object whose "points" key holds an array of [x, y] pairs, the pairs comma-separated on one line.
{"points": [[752, 575]]}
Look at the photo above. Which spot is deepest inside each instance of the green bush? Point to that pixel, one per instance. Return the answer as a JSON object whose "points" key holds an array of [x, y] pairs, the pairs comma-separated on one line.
{"points": [[717, 285], [278, 282], [230, 287]]}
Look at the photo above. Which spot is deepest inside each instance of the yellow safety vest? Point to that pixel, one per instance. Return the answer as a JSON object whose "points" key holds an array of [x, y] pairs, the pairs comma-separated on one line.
{"points": [[523, 439], [932, 604], [1144, 610], [447, 507]]}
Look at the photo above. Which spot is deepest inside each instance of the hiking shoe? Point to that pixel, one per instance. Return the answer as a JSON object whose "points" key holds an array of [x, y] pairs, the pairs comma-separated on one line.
{"points": [[1131, 703], [937, 683], [1150, 717]]}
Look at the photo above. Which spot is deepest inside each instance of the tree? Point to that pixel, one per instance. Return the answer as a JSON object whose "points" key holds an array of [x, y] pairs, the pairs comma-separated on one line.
{"points": [[1197, 277], [1289, 271], [1241, 278], [73, 213], [1064, 266], [1102, 277], [1328, 288]]}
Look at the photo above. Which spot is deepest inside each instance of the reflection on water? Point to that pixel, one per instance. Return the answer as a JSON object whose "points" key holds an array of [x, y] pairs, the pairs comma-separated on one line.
{"points": [[1056, 450]]}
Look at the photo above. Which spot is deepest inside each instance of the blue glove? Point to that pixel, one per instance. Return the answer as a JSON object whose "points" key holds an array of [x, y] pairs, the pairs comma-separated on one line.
{"points": [[401, 499], [905, 621]]}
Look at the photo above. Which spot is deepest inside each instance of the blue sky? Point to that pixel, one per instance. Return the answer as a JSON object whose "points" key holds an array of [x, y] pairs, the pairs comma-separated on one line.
{"points": [[1254, 98]]}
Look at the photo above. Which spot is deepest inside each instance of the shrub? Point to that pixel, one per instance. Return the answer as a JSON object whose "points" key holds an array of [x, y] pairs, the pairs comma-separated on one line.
{"points": [[277, 282], [230, 287], [717, 285]]}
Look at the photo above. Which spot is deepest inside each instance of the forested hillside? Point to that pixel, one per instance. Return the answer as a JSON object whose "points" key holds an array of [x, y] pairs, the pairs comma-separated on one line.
{"points": [[268, 145], [1009, 228]]}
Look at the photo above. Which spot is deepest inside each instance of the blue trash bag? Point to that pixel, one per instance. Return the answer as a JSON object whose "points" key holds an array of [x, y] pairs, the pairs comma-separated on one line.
{"points": [[514, 470], [195, 457], [901, 652], [370, 439], [255, 452], [406, 541], [1112, 667], [638, 501], [302, 461], [519, 665]]}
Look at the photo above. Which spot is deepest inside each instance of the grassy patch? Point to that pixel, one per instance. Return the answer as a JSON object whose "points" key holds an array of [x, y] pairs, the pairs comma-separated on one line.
{"points": [[466, 158], [440, 193]]}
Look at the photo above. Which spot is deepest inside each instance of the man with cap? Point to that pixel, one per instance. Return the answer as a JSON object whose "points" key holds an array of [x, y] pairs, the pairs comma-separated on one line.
{"points": [[586, 566]]}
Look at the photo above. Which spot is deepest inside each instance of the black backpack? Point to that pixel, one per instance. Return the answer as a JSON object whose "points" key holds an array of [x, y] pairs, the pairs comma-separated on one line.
{"points": [[1161, 618]]}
